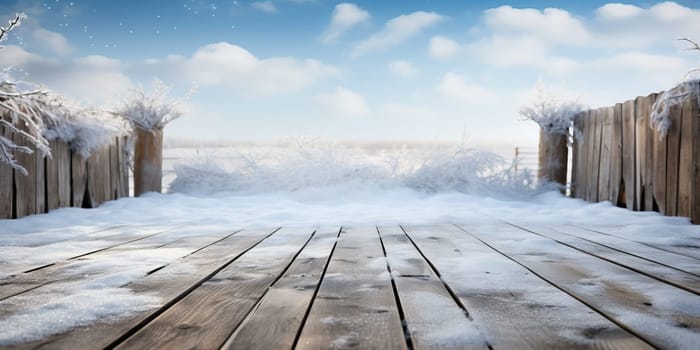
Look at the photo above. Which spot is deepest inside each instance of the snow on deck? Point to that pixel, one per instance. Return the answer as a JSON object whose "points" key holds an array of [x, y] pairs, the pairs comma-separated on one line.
{"points": [[478, 284]]}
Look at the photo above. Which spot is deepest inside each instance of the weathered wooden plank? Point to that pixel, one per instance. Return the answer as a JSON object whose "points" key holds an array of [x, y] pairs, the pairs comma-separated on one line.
{"points": [[513, 307], [78, 180], [695, 187], [577, 150], [607, 115], [7, 202], [277, 319], [148, 161], [170, 284], [617, 189], [40, 183], [630, 299], [123, 166], [659, 166], [663, 257], [98, 178], [644, 109], [640, 153], [588, 137], [672, 161], [25, 186], [113, 170], [356, 286], [671, 276], [52, 178], [629, 167], [594, 157], [447, 325], [685, 162], [63, 160], [65, 271], [222, 302]]}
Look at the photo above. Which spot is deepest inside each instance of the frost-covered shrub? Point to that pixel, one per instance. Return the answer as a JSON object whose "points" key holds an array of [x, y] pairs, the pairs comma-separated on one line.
{"points": [[38, 116], [551, 111], [687, 88], [151, 111]]}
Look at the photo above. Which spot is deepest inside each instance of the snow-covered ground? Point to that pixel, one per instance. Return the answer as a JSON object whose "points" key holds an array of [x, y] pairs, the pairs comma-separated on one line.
{"points": [[309, 185]]}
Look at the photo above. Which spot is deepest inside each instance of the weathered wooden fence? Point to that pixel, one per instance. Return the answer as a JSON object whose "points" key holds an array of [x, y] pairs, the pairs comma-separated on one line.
{"points": [[623, 160], [64, 180]]}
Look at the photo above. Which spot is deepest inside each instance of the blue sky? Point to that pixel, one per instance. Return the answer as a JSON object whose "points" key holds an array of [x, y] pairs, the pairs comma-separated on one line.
{"points": [[363, 70]]}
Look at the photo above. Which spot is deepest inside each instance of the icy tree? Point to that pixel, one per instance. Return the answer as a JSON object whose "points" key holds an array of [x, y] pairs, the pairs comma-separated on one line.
{"points": [[19, 113], [152, 111], [552, 112], [687, 88]]}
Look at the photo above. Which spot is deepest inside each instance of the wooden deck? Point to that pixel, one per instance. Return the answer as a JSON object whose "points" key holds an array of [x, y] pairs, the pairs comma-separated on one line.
{"points": [[494, 285]]}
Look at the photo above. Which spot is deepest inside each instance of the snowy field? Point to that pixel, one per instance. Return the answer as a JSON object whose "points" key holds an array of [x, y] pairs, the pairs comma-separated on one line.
{"points": [[298, 184]]}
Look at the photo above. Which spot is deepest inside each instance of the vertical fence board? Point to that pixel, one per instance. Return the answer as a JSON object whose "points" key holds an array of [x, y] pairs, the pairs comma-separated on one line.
{"points": [[595, 156], [123, 167], [113, 170], [40, 183], [606, 116], [6, 182], [640, 159], [685, 164], [78, 179], [576, 157], [98, 176], [649, 136], [616, 151], [629, 166], [659, 166], [25, 186], [589, 136], [62, 155], [52, 185], [695, 197], [672, 159]]}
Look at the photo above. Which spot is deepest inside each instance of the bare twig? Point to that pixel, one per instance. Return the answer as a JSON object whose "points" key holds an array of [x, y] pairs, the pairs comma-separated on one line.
{"points": [[693, 44]]}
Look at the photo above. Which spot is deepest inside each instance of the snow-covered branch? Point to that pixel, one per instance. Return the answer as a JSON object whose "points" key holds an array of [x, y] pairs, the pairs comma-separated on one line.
{"points": [[152, 111], [686, 89], [552, 112]]}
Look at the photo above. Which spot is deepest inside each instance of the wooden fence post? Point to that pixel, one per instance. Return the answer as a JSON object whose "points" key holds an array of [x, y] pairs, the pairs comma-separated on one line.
{"points": [[553, 153], [148, 161], [7, 202]]}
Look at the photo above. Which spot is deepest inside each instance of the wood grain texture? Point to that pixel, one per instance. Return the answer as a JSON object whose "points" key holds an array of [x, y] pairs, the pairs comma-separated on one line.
{"points": [[419, 289], [629, 167], [78, 178], [617, 185], [52, 178], [695, 188], [659, 166], [498, 295], [685, 160], [170, 284], [7, 202], [277, 318], [578, 149], [207, 316], [672, 161], [25, 186], [627, 245], [594, 158], [645, 110], [114, 170], [148, 161], [355, 305], [661, 272], [630, 299], [607, 115]]}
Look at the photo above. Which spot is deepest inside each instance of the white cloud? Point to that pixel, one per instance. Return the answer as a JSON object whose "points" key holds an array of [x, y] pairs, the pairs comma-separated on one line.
{"points": [[441, 47], [402, 69], [550, 24], [231, 65], [264, 6], [616, 11], [454, 86], [54, 42], [345, 17], [93, 79], [344, 102], [407, 111], [396, 31]]}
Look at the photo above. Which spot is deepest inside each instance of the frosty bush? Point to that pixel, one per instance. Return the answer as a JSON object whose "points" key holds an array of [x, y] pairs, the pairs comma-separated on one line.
{"points": [[18, 113], [151, 111], [552, 112], [38, 116], [688, 87]]}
